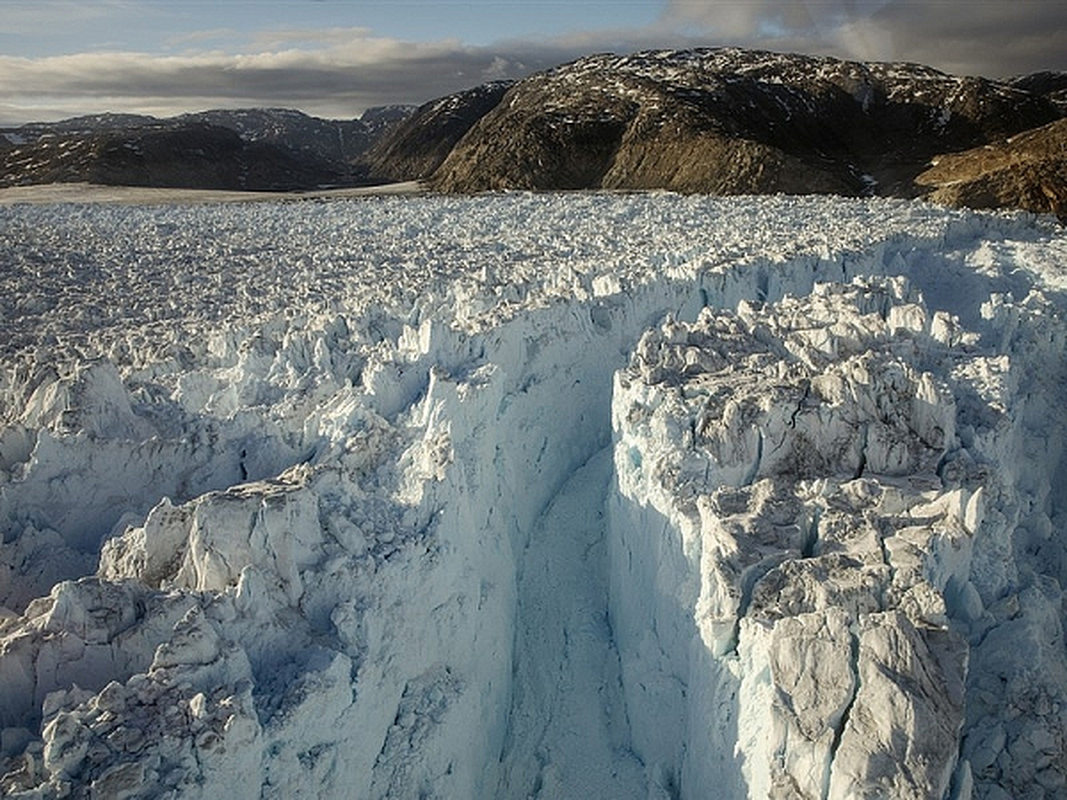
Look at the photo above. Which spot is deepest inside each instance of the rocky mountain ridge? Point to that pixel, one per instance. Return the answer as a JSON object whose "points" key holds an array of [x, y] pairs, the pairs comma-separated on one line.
{"points": [[731, 121], [713, 120], [259, 149]]}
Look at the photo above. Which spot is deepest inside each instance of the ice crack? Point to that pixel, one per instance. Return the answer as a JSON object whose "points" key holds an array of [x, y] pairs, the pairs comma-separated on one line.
{"points": [[568, 717], [842, 722]]}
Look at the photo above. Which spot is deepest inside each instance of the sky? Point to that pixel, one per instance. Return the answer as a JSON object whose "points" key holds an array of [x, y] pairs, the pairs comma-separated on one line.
{"points": [[336, 58]]}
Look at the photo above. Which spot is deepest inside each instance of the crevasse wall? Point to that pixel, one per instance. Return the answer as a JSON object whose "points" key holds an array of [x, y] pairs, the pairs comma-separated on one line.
{"points": [[314, 588], [821, 537]]}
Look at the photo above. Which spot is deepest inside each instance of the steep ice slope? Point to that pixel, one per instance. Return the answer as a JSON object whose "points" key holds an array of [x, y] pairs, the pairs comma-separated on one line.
{"points": [[844, 527], [318, 446], [568, 733]]}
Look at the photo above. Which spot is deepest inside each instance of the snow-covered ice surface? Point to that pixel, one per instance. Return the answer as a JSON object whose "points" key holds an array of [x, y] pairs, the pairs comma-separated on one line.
{"points": [[532, 495]]}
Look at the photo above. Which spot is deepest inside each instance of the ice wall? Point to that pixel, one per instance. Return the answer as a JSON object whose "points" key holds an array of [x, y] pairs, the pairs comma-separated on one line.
{"points": [[821, 534], [312, 488]]}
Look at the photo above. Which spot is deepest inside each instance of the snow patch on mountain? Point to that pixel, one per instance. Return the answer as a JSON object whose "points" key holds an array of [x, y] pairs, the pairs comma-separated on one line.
{"points": [[317, 509]]}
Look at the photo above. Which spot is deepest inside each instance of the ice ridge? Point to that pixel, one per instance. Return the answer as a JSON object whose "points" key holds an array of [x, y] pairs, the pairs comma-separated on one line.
{"points": [[645, 495]]}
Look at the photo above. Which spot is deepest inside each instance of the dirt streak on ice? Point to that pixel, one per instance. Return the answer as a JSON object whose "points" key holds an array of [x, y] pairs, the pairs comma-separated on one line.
{"points": [[568, 732]]}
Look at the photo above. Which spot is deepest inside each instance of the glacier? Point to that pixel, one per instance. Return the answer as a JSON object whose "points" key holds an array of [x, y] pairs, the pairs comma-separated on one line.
{"points": [[586, 495]]}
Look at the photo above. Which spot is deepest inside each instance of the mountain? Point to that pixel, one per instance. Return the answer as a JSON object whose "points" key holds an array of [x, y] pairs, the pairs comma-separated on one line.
{"points": [[1025, 171], [336, 141], [187, 155], [418, 145], [1052, 85], [721, 121], [90, 123], [339, 141], [256, 149], [731, 121]]}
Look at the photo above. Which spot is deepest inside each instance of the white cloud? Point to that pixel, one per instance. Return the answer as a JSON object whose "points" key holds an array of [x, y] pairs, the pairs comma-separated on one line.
{"points": [[339, 80], [339, 71]]}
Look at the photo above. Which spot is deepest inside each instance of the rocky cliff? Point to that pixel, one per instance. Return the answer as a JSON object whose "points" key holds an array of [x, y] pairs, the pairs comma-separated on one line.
{"points": [[731, 121], [259, 149], [417, 146], [1025, 171]]}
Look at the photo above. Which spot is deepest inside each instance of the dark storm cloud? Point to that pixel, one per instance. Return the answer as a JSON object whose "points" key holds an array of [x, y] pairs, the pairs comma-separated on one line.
{"points": [[340, 72], [336, 78], [995, 39]]}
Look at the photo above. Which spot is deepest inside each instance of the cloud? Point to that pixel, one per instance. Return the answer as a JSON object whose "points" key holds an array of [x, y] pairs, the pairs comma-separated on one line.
{"points": [[339, 80], [331, 72], [996, 38], [339, 72]]}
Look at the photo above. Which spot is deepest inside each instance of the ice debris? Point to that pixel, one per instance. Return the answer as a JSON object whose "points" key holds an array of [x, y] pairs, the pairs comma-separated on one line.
{"points": [[280, 523], [799, 547]]}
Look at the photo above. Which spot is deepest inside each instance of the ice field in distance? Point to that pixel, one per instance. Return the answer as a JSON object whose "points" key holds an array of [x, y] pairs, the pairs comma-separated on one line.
{"points": [[519, 495]]}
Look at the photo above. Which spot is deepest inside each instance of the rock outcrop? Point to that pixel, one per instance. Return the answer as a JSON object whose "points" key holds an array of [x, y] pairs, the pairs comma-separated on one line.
{"points": [[1025, 171], [419, 144], [731, 121], [253, 149]]}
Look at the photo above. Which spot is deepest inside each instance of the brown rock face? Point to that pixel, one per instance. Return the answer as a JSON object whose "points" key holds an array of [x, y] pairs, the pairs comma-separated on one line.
{"points": [[730, 121], [1026, 171], [418, 145], [717, 164]]}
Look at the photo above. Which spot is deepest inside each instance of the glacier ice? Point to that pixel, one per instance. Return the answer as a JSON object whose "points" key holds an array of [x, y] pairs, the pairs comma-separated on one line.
{"points": [[531, 495]]}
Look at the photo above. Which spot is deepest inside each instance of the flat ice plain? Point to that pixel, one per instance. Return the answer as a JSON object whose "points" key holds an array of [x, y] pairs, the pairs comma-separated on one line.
{"points": [[531, 495]]}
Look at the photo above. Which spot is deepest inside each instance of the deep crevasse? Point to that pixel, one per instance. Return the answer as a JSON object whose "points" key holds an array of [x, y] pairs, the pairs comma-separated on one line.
{"points": [[568, 732], [346, 624]]}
